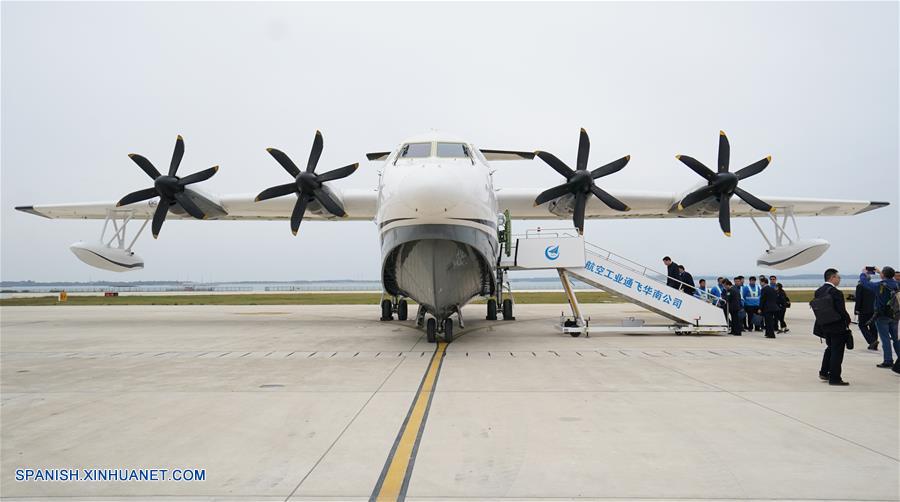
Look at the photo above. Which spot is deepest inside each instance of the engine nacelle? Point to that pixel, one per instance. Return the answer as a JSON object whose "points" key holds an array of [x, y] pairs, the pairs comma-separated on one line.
{"points": [[114, 259], [798, 253]]}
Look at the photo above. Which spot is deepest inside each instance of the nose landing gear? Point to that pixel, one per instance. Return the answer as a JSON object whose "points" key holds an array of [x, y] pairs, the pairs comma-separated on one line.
{"points": [[444, 329]]}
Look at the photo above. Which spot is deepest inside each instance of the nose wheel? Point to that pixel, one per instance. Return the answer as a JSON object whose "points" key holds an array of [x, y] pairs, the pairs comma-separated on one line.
{"points": [[445, 331], [430, 330], [448, 330]]}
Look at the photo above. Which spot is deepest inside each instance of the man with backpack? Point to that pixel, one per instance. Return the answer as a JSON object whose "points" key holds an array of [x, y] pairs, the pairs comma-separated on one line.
{"points": [[832, 325], [887, 311]]}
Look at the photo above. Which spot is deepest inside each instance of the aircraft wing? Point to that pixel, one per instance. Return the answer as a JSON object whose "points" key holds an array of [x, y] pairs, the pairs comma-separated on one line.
{"points": [[520, 203], [359, 205]]}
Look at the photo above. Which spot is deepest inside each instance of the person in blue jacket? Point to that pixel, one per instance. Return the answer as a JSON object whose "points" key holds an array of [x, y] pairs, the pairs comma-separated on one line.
{"points": [[750, 293], [885, 322]]}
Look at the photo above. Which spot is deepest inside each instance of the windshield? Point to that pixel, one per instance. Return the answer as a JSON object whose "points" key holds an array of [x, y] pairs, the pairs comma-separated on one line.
{"points": [[452, 150], [416, 150]]}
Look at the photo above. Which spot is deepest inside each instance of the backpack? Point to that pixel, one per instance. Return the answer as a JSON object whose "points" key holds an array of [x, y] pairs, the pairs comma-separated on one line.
{"points": [[891, 307]]}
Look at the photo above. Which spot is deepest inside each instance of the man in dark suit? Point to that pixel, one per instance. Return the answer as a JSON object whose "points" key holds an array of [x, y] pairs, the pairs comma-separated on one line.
{"points": [[672, 273], [864, 310], [733, 303], [836, 333], [768, 304], [687, 280]]}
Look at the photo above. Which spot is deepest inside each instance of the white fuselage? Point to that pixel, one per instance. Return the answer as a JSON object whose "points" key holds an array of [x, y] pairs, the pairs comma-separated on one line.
{"points": [[430, 197]]}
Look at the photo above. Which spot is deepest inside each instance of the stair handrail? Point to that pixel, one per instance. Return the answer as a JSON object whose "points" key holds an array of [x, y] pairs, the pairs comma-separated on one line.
{"points": [[643, 269], [630, 265]]}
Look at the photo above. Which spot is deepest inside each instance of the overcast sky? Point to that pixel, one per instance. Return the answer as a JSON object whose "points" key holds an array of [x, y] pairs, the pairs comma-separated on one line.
{"points": [[83, 85]]}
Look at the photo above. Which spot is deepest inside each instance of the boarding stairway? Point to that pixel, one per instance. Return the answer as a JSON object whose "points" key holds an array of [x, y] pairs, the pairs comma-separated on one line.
{"points": [[571, 256]]}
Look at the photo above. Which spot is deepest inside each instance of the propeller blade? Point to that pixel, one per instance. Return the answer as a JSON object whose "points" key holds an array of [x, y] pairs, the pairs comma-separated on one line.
{"points": [[184, 200], [159, 216], [697, 167], [147, 193], [608, 199], [697, 196], [754, 168], [578, 214], [558, 165], [198, 176], [754, 202], [285, 161], [315, 153], [724, 152], [328, 202], [176, 156], [341, 172], [276, 191], [297, 215], [584, 149], [613, 167], [725, 215], [552, 193], [145, 165]]}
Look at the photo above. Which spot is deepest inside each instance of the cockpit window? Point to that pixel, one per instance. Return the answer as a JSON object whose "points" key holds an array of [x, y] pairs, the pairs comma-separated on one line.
{"points": [[450, 150], [415, 150]]}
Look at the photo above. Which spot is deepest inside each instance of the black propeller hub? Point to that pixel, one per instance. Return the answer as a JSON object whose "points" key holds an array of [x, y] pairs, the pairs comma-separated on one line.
{"points": [[167, 186], [581, 181], [307, 183], [725, 183]]}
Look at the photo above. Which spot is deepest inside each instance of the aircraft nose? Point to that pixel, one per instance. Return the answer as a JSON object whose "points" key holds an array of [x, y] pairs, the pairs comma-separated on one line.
{"points": [[432, 190]]}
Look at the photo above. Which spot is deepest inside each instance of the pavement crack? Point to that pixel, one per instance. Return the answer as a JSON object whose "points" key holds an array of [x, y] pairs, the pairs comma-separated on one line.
{"points": [[344, 430]]}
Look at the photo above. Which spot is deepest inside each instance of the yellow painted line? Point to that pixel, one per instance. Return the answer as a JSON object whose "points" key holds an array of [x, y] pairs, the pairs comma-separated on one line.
{"points": [[392, 484]]}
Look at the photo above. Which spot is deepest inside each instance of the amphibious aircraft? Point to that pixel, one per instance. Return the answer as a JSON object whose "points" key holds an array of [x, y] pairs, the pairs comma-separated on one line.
{"points": [[440, 218]]}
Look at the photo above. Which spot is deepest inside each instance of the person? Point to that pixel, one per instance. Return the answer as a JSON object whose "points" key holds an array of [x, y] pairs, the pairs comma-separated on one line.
{"points": [[687, 280], [768, 304], [773, 281], [784, 302], [672, 273], [750, 293], [885, 322], [864, 310], [836, 334], [717, 297], [733, 301], [701, 291]]}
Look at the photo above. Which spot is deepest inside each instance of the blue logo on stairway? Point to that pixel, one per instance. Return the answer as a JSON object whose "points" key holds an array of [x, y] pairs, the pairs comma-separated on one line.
{"points": [[552, 252]]}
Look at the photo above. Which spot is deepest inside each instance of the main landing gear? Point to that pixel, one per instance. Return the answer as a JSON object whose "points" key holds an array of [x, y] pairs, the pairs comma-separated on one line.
{"points": [[389, 307], [506, 309]]}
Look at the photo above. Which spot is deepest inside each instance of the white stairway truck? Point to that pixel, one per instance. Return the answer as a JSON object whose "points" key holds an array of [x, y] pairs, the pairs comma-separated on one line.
{"points": [[571, 256]]}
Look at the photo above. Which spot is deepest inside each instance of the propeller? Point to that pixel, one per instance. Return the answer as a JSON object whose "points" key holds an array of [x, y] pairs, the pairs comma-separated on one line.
{"points": [[580, 182], [307, 184], [723, 184], [169, 187]]}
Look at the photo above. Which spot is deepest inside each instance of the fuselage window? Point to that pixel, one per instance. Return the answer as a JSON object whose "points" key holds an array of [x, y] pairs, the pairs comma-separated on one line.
{"points": [[415, 150], [452, 150]]}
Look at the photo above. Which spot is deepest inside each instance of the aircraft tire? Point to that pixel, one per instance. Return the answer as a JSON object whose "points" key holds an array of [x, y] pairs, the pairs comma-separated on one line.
{"points": [[430, 328], [491, 310]]}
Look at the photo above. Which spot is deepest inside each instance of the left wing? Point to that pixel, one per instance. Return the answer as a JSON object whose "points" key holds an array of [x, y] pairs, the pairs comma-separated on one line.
{"points": [[359, 205], [520, 203]]}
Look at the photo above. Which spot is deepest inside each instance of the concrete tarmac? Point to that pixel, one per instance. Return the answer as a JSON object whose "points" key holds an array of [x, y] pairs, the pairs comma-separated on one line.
{"points": [[307, 403]]}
